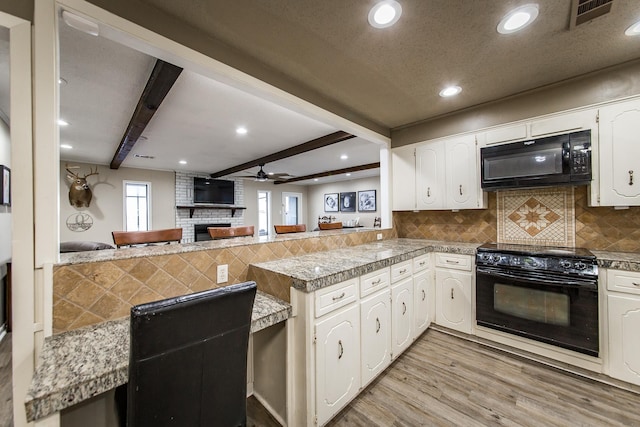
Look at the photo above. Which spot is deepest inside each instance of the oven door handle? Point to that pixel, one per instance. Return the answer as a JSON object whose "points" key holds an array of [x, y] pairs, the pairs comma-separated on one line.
{"points": [[538, 278]]}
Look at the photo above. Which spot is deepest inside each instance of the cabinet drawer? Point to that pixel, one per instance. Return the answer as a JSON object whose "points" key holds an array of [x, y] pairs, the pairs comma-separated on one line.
{"points": [[623, 281], [455, 261], [336, 296], [372, 282], [401, 270], [421, 262]]}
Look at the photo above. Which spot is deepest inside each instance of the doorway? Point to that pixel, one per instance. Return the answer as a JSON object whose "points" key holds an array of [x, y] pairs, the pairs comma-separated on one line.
{"points": [[291, 208], [264, 212]]}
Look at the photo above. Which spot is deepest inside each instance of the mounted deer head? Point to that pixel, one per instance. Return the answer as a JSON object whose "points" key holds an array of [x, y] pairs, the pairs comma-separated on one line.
{"points": [[79, 193]]}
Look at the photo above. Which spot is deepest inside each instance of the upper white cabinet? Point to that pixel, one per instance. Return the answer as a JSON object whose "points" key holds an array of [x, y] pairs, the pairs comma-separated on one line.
{"points": [[430, 176], [463, 187], [403, 166], [620, 154]]}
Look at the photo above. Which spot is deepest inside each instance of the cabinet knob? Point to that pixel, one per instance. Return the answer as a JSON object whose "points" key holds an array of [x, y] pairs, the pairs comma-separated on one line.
{"points": [[377, 325], [340, 349], [630, 177]]}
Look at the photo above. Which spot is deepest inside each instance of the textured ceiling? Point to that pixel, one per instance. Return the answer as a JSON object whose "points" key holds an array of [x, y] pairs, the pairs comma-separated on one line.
{"points": [[392, 76]]}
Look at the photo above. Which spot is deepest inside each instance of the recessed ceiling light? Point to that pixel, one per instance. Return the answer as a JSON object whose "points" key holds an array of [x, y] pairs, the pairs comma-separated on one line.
{"points": [[315, 179], [450, 91], [63, 122], [241, 130], [66, 146], [62, 81], [344, 157], [183, 162], [385, 13], [348, 174], [518, 19], [270, 173], [633, 30]]}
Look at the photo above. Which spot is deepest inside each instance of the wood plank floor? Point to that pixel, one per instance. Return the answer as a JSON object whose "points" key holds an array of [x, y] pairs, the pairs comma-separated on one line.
{"points": [[444, 380], [6, 402]]}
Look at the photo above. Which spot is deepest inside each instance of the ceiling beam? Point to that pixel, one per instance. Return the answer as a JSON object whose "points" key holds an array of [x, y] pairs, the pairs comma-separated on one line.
{"points": [[314, 144], [162, 78], [330, 173]]}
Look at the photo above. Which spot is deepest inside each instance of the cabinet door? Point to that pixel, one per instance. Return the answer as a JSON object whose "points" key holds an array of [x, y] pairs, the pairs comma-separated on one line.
{"points": [[624, 340], [375, 335], [423, 301], [430, 177], [462, 173], [401, 316], [337, 362], [403, 170], [620, 154], [453, 295]]}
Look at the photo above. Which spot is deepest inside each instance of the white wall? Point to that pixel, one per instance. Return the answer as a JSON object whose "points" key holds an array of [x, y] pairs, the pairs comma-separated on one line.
{"points": [[316, 201], [5, 211], [106, 208], [251, 189]]}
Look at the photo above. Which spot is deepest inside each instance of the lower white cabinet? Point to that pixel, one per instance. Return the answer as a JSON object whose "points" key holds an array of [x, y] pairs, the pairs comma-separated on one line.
{"points": [[337, 362], [453, 292], [623, 307], [375, 335], [401, 316], [424, 294]]}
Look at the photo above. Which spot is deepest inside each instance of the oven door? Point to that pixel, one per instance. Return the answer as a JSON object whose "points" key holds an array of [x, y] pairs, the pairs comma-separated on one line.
{"points": [[548, 308]]}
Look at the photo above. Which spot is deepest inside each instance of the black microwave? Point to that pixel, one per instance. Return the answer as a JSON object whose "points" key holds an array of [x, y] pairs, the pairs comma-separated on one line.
{"points": [[550, 161]]}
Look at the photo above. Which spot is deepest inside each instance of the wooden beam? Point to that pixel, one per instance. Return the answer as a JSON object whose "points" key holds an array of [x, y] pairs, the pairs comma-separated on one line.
{"points": [[314, 144], [330, 173], [162, 78]]}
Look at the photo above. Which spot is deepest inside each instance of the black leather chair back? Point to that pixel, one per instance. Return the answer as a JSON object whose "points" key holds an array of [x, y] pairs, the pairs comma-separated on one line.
{"points": [[188, 359]]}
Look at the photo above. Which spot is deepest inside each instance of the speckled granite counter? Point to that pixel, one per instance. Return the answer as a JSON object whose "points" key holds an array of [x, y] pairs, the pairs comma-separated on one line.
{"points": [[629, 261], [80, 364], [317, 270]]}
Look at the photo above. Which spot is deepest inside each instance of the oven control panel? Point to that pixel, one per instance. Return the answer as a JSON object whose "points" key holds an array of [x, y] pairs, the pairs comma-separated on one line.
{"points": [[546, 263]]}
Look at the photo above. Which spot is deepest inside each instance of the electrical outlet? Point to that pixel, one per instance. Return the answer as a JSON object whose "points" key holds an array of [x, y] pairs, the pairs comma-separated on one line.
{"points": [[379, 236], [223, 273]]}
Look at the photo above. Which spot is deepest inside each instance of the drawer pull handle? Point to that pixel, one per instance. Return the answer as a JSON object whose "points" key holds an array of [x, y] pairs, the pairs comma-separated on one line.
{"points": [[377, 282], [451, 293], [635, 284], [338, 297], [450, 261], [404, 270], [424, 295], [422, 263], [340, 350], [377, 325], [630, 177], [404, 308]]}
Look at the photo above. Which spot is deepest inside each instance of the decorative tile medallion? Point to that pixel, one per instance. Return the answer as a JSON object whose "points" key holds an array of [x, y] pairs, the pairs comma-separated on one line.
{"points": [[537, 217]]}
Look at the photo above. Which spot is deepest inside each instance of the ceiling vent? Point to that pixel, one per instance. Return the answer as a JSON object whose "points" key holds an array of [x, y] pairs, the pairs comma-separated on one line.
{"points": [[585, 10]]}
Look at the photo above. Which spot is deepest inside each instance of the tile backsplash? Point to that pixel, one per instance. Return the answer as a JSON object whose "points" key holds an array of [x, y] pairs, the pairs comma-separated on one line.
{"points": [[594, 228]]}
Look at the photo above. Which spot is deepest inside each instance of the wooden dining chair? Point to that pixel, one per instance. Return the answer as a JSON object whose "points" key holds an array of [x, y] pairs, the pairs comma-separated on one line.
{"points": [[128, 238], [228, 232], [329, 225], [282, 229]]}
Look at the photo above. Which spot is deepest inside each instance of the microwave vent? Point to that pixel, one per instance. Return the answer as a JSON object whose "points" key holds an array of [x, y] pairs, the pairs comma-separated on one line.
{"points": [[585, 10]]}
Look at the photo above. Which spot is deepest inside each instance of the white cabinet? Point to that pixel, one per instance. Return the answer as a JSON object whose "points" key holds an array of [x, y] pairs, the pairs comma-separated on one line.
{"points": [[620, 154], [403, 167], [424, 294], [624, 323], [337, 362], [453, 292], [430, 176], [463, 188], [401, 316], [375, 335]]}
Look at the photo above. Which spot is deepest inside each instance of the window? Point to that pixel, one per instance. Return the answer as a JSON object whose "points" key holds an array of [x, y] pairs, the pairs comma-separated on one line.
{"points": [[291, 208], [137, 206], [264, 212]]}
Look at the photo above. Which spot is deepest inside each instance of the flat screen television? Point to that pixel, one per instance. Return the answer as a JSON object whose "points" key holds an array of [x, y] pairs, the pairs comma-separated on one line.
{"points": [[218, 191]]}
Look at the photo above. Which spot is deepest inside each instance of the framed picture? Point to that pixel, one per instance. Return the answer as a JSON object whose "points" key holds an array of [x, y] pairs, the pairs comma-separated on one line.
{"points": [[331, 202], [348, 202], [367, 201], [5, 189]]}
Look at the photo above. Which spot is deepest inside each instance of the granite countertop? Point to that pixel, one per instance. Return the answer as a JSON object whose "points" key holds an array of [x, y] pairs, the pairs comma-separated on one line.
{"points": [[178, 248], [629, 261], [80, 364], [317, 270]]}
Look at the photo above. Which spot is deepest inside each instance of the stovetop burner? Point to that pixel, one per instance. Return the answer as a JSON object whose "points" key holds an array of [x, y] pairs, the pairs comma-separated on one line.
{"points": [[543, 259]]}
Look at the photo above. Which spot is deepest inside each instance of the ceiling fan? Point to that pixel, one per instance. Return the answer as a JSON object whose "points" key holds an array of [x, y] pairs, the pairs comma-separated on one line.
{"points": [[262, 176]]}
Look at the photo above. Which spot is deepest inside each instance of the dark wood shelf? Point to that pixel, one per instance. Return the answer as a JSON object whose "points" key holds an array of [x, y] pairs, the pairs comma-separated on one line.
{"points": [[192, 208]]}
